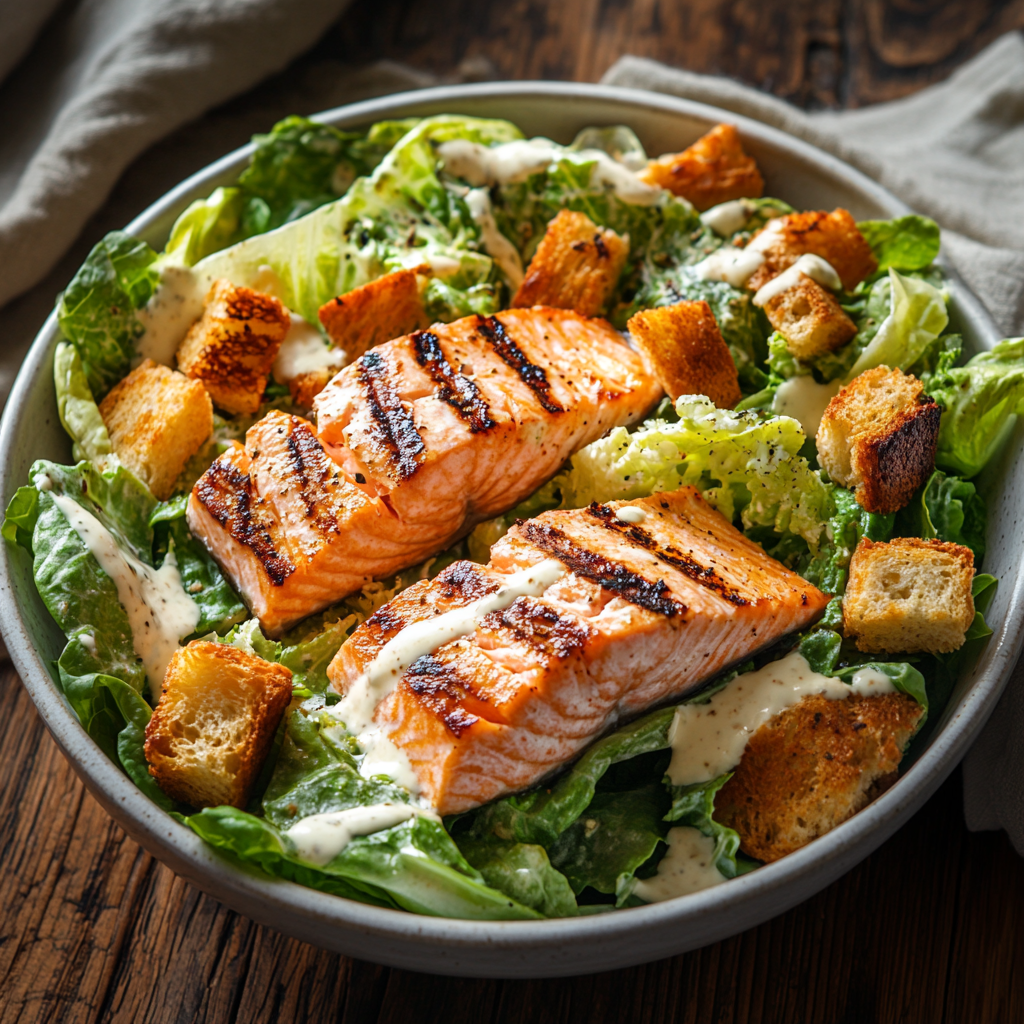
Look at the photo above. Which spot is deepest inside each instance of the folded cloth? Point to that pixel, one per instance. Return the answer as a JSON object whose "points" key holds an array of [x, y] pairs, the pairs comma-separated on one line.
{"points": [[95, 85], [954, 151]]}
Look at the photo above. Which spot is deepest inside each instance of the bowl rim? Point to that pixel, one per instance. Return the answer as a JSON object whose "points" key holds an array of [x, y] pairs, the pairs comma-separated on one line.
{"points": [[307, 912]]}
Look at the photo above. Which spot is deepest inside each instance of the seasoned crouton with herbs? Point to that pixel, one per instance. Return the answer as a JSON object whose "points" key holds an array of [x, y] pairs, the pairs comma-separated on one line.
{"points": [[376, 312], [157, 420], [215, 722], [814, 766], [576, 266], [713, 170], [686, 353], [810, 319], [909, 595], [879, 435], [832, 236], [232, 347]]}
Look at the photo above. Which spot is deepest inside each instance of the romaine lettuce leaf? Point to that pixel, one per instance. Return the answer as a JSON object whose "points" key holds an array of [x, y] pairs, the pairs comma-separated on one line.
{"points": [[96, 312], [906, 243], [979, 402], [947, 508], [523, 872], [78, 411], [917, 316], [744, 463]]}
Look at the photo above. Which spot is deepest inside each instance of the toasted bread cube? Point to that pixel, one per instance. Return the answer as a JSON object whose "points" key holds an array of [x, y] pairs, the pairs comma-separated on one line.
{"points": [[879, 435], [832, 236], [909, 595], [713, 170], [814, 766], [376, 312], [232, 347], [810, 318], [685, 351], [157, 420], [576, 266], [212, 729]]}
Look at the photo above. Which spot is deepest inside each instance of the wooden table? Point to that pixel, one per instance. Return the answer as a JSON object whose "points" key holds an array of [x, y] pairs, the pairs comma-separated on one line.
{"points": [[928, 929]]}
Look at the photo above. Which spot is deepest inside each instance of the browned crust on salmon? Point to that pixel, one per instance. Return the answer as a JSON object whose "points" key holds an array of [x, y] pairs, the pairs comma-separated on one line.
{"points": [[493, 331], [453, 388], [812, 767], [375, 312], [397, 438], [713, 170], [226, 493], [576, 266]]}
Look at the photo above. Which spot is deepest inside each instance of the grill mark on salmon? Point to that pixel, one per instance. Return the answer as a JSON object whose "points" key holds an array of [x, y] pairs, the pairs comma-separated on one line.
{"points": [[610, 575], [312, 470], [451, 698], [453, 388], [531, 622], [226, 493], [533, 376], [396, 432], [705, 575]]}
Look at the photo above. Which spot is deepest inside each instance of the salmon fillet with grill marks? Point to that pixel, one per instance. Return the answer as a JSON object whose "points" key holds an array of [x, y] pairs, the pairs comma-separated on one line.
{"points": [[645, 612], [416, 442]]}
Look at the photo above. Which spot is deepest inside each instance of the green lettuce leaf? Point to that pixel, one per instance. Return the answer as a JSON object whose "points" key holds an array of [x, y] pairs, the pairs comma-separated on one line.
{"points": [[905, 243], [96, 312], [980, 401], [78, 411], [947, 508], [694, 805], [523, 872], [917, 316], [744, 463]]}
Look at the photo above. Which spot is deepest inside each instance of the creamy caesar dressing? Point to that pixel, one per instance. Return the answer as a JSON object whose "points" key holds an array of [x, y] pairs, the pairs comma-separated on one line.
{"points": [[173, 308], [382, 675], [484, 166], [630, 514], [810, 265], [498, 247], [304, 351], [159, 611], [88, 641], [708, 740], [771, 235], [734, 266], [805, 400], [688, 866], [319, 838], [382, 757], [727, 218]]}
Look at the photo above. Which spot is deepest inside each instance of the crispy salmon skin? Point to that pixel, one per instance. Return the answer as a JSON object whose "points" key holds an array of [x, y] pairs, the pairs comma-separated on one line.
{"points": [[416, 442], [653, 602]]}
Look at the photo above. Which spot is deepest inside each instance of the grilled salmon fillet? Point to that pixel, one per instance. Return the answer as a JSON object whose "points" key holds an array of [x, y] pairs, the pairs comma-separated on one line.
{"points": [[416, 442], [645, 611]]}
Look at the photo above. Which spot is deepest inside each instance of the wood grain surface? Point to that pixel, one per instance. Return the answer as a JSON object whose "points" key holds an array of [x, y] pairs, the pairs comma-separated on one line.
{"points": [[930, 928]]}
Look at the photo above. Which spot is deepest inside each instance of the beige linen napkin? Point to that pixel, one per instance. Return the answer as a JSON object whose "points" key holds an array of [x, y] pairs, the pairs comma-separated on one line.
{"points": [[954, 151]]}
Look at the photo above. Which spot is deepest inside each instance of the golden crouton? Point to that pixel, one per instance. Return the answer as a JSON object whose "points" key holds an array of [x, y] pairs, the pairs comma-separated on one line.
{"points": [[812, 767], [215, 722], [713, 170], [832, 236], [232, 347], [879, 435], [810, 319], [157, 420], [909, 595], [376, 312], [576, 266], [684, 349]]}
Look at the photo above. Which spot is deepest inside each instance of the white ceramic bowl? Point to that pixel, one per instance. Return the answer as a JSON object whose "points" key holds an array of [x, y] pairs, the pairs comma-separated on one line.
{"points": [[794, 171]]}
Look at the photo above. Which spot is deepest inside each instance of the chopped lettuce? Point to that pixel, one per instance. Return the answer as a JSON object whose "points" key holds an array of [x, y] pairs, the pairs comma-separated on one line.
{"points": [[744, 463], [950, 509], [980, 401], [96, 312], [905, 243], [78, 411]]}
